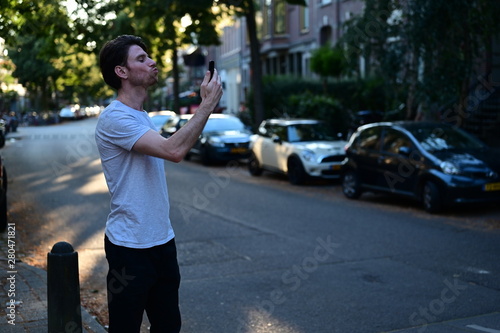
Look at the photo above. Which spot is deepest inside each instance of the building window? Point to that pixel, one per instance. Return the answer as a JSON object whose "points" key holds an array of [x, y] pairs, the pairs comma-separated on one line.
{"points": [[304, 17], [279, 17], [266, 18]]}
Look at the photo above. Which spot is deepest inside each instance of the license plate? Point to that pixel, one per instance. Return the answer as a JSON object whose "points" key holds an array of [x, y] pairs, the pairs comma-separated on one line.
{"points": [[492, 187], [336, 167], [239, 150]]}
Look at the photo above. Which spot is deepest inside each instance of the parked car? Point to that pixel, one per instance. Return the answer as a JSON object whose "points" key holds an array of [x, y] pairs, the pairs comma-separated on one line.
{"points": [[3, 192], [299, 148], [72, 112], [435, 163], [160, 118], [173, 124], [223, 138]]}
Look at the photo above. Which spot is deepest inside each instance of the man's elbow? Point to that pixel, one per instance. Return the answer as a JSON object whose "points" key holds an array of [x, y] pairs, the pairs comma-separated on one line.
{"points": [[176, 156]]}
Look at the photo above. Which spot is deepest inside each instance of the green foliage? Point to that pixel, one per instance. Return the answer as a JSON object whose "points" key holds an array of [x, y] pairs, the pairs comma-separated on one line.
{"points": [[327, 61], [426, 52], [309, 105], [294, 97]]}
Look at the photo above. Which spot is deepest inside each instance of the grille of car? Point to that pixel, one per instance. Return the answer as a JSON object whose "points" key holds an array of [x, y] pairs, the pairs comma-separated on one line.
{"points": [[237, 144], [333, 158]]}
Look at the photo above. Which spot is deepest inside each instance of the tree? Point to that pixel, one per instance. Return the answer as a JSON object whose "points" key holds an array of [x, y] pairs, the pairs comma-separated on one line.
{"points": [[327, 62], [158, 22], [31, 30], [425, 51], [247, 9]]}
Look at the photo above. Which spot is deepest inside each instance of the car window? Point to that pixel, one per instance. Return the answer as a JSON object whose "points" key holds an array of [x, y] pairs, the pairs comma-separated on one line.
{"points": [[280, 131], [393, 140], [369, 139], [223, 124], [310, 132], [445, 137]]}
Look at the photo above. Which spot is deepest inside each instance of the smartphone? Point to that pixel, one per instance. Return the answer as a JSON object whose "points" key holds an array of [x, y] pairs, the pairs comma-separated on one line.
{"points": [[211, 66]]}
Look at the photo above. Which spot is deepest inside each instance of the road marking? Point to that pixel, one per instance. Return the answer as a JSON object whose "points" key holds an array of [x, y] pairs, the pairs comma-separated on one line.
{"points": [[483, 329]]}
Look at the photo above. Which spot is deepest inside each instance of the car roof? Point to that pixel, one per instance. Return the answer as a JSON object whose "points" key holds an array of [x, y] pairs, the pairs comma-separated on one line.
{"points": [[290, 121], [161, 113], [221, 116], [406, 124]]}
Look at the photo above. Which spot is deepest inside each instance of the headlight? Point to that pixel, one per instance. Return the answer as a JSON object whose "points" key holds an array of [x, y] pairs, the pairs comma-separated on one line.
{"points": [[216, 142], [449, 168], [308, 155]]}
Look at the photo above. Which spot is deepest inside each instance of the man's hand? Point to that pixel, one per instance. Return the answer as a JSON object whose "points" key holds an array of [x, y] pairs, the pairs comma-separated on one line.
{"points": [[211, 90]]}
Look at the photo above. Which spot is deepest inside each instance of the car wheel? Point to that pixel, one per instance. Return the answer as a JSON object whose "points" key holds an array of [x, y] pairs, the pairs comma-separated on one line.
{"points": [[254, 166], [431, 198], [187, 157], [296, 173], [350, 185], [3, 204], [205, 157]]}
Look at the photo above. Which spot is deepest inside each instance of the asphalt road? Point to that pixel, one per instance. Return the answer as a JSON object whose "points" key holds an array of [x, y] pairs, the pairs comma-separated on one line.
{"points": [[259, 255]]}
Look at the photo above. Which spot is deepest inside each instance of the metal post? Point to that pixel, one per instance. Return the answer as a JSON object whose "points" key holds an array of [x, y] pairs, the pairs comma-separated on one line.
{"points": [[63, 290]]}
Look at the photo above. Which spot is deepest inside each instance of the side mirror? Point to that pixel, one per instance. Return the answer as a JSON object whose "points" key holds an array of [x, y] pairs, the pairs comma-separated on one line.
{"points": [[276, 139], [404, 151]]}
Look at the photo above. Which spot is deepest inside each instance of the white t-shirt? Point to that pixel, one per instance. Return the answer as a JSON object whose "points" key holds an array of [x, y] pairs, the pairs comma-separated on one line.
{"points": [[137, 184]]}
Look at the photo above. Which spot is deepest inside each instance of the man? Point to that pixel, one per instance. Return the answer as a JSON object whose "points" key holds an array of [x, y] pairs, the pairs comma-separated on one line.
{"points": [[139, 240]]}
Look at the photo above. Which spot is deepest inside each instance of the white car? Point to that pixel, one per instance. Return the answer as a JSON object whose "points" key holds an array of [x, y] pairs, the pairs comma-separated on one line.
{"points": [[299, 148]]}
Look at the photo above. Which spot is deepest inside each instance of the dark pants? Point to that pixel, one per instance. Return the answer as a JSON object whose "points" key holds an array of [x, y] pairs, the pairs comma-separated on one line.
{"points": [[143, 280]]}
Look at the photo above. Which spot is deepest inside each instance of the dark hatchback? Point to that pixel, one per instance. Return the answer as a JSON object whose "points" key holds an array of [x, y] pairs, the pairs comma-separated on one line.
{"points": [[3, 183], [224, 138], [438, 164]]}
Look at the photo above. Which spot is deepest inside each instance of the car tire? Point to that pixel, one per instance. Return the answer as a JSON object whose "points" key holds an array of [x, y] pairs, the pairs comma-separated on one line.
{"points": [[431, 197], [3, 204], [296, 173], [205, 156], [350, 185], [254, 166]]}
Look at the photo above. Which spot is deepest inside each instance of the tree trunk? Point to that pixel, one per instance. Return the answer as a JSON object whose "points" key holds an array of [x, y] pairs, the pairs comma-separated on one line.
{"points": [[175, 72], [255, 64]]}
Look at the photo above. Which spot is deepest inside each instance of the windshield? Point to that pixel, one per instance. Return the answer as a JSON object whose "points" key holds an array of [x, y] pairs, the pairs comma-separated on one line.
{"points": [[223, 125], [159, 120], [445, 137], [311, 132]]}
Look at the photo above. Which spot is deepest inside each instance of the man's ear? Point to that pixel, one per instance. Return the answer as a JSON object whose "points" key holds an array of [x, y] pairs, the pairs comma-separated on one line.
{"points": [[121, 72]]}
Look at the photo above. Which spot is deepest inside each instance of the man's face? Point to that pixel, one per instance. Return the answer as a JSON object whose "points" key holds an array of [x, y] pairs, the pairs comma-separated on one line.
{"points": [[141, 68]]}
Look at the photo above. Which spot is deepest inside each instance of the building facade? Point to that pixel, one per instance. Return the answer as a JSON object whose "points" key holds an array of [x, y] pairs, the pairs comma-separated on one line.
{"points": [[288, 35]]}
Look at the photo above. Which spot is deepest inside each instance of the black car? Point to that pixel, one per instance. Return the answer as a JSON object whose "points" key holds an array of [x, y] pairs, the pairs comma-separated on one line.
{"points": [[223, 138], [3, 184], [173, 124], [436, 163]]}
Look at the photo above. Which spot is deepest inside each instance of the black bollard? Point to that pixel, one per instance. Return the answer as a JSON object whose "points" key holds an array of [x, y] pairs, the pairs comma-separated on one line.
{"points": [[63, 290]]}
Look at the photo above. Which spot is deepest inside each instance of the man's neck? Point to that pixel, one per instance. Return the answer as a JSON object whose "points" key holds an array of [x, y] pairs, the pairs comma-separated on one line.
{"points": [[134, 99]]}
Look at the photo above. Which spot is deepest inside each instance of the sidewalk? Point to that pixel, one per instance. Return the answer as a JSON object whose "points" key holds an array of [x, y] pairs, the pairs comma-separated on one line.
{"points": [[30, 298]]}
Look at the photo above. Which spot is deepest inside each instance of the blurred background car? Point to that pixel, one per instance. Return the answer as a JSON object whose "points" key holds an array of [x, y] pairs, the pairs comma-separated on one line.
{"points": [[72, 112], [3, 191], [160, 118], [224, 138], [436, 163], [173, 124], [299, 148]]}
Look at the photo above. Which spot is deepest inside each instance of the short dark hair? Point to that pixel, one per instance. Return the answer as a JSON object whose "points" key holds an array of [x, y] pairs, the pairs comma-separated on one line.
{"points": [[114, 53]]}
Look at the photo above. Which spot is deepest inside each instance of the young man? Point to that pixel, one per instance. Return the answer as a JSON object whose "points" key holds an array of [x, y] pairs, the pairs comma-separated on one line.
{"points": [[139, 240]]}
